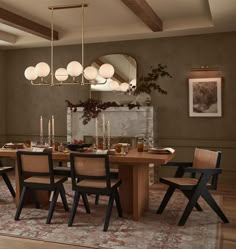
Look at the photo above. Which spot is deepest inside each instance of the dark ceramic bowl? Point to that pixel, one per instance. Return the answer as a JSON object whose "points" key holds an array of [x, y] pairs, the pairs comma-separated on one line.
{"points": [[78, 147]]}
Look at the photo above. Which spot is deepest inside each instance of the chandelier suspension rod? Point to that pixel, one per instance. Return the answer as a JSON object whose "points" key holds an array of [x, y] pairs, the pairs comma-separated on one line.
{"points": [[82, 45], [74, 68], [52, 49]]}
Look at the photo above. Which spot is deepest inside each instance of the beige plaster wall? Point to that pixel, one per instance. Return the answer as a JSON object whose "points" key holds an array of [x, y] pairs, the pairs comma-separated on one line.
{"points": [[174, 127], [3, 101]]}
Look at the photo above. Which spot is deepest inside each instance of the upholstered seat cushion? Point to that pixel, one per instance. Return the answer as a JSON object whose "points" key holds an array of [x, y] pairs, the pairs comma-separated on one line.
{"points": [[97, 183], [44, 179]]}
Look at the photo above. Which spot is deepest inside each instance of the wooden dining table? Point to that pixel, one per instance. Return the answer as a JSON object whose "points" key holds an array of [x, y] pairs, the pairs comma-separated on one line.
{"points": [[133, 172]]}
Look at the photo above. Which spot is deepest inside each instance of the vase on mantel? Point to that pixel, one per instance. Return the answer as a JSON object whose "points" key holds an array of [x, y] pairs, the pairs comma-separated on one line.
{"points": [[143, 99]]}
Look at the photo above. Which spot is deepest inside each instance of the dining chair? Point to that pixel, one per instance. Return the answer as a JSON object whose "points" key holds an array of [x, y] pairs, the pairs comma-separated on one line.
{"points": [[114, 173], [93, 172], [204, 171], [35, 170], [3, 172]]}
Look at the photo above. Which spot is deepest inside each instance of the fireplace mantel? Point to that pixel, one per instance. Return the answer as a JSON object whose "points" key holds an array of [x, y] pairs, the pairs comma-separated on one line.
{"points": [[124, 122]]}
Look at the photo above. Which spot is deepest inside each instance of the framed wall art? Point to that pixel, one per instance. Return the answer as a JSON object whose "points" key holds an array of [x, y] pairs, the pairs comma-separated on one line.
{"points": [[205, 98]]}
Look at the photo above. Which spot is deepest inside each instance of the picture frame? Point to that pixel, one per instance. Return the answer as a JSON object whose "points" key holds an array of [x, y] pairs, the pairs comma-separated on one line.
{"points": [[205, 97]]}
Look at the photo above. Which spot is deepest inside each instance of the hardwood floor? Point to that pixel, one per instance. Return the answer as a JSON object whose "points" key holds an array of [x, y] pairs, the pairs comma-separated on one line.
{"points": [[228, 236]]}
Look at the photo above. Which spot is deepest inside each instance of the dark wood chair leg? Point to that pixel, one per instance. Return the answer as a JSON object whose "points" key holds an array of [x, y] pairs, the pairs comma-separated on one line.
{"points": [[35, 198], [96, 199], [9, 185], [86, 203], [73, 209], [118, 204], [166, 199], [63, 197], [188, 195], [212, 203], [21, 203], [191, 204], [52, 205], [108, 213]]}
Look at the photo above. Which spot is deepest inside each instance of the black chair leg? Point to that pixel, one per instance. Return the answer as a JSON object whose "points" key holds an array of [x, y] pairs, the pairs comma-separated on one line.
{"points": [[35, 198], [52, 205], [21, 203], [73, 209], [118, 204], [191, 204], [63, 197], [9, 185], [166, 199], [188, 195], [96, 199], [86, 203], [108, 213], [212, 203]]}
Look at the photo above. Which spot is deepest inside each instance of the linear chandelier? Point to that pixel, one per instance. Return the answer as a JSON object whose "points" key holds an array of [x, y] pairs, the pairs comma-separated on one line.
{"points": [[75, 71]]}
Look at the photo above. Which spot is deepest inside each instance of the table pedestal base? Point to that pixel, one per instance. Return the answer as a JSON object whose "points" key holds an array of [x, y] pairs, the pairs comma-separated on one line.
{"points": [[134, 190]]}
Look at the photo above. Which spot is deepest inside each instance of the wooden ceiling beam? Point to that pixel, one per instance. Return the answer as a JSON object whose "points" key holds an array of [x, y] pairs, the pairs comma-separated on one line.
{"points": [[24, 24], [143, 11]]}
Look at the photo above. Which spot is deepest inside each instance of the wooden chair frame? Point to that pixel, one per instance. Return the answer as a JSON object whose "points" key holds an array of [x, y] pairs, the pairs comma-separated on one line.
{"points": [[55, 186], [193, 192], [3, 173], [111, 191]]}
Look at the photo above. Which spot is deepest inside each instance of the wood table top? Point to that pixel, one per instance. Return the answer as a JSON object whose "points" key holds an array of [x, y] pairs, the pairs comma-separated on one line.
{"points": [[132, 157]]}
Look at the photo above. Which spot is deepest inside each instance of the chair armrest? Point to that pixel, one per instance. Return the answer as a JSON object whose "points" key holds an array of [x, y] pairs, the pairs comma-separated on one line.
{"points": [[180, 167], [179, 164], [204, 171]]}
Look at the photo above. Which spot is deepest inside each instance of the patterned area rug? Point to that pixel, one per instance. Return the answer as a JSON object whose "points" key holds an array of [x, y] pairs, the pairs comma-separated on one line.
{"points": [[151, 232]]}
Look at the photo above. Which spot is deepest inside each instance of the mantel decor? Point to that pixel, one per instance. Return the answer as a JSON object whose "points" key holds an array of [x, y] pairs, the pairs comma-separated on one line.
{"points": [[150, 82], [92, 107]]}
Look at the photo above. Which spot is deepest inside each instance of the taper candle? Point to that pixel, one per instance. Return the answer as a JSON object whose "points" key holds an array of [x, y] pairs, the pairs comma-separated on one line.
{"points": [[49, 127], [53, 126], [41, 125], [96, 132], [41, 129], [49, 132], [103, 132], [108, 134]]}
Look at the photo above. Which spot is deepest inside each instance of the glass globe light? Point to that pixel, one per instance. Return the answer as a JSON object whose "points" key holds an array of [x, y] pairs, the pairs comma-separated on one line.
{"points": [[106, 70], [30, 73], [42, 69], [74, 68], [114, 85], [90, 73], [133, 83], [61, 74], [124, 87]]}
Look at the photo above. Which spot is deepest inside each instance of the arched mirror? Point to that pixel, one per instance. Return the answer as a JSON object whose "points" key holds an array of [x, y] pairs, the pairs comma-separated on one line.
{"points": [[125, 72]]}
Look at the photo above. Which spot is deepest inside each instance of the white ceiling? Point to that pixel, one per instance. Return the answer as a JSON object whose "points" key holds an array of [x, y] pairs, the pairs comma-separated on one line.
{"points": [[111, 20]]}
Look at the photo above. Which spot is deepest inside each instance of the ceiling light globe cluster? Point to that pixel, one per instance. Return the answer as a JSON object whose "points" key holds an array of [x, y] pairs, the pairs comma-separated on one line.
{"points": [[73, 69]]}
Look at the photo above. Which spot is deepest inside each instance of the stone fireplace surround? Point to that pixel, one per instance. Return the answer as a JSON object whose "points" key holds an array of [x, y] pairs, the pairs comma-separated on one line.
{"points": [[124, 122]]}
